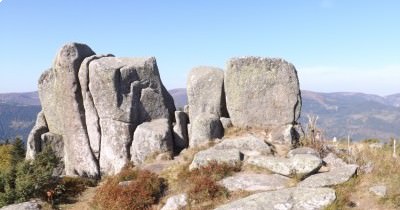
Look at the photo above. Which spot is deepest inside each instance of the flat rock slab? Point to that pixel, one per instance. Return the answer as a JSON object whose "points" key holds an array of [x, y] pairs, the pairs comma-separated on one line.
{"points": [[378, 190], [334, 177], [285, 199], [202, 158], [301, 164], [255, 182], [248, 145]]}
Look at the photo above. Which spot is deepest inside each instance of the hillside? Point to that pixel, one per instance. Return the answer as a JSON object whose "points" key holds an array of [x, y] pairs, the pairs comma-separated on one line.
{"points": [[358, 114], [361, 115], [18, 114]]}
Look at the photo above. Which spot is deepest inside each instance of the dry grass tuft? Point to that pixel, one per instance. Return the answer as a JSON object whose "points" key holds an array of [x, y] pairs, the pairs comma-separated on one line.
{"points": [[143, 190]]}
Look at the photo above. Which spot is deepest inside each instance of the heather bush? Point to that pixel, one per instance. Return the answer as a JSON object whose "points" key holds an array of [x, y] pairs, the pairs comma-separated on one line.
{"points": [[141, 190]]}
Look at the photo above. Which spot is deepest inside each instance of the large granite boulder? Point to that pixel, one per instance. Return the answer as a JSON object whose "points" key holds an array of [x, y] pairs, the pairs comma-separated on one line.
{"points": [[151, 138], [205, 128], [263, 93], [205, 90], [95, 102]]}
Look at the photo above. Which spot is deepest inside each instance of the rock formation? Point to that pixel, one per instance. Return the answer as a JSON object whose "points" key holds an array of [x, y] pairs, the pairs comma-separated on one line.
{"points": [[254, 92], [95, 102]]}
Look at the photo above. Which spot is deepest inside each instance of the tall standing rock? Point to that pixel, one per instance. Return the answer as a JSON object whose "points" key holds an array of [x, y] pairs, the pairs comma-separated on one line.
{"points": [[206, 97], [61, 99], [205, 89], [263, 93]]}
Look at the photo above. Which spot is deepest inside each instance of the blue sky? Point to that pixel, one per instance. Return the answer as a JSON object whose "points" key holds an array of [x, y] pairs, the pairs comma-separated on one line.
{"points": [[336, 45]]}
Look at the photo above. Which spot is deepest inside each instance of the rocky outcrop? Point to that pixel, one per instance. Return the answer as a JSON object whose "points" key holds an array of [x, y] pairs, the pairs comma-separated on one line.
{"points": [[263, 93], [95, 102], [291, 198]]}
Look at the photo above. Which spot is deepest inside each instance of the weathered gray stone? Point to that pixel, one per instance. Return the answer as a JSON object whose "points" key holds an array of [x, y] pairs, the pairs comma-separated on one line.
{"points": [[333, 161], [262, 92], [301, 164], [34, 143], [226, 122], [255, 182], [205, 92], [378, 190], [181, 139], [205, 128], [249, 145], [334, 177], [176, 202], [91, 116], [126, 92], [115, 141], [275, 164], [151, 138], [202, 158], [285, 199], [302, 150], [61, 99], [29, 205], [305, 164]]}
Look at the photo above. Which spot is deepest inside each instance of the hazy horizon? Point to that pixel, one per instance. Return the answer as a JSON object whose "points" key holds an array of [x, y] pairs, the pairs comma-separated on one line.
{"points": [[336, 45]]}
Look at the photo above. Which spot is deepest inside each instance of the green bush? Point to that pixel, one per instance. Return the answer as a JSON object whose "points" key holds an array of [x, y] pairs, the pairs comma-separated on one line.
{"points": [[27, 179]]}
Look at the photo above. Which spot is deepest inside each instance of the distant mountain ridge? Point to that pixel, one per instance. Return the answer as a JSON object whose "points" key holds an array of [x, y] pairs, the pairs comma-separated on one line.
{"points": [[342, 113]]}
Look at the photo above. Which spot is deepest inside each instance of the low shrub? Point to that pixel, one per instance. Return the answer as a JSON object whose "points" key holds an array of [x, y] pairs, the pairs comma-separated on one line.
{"points": [[142, 190]]}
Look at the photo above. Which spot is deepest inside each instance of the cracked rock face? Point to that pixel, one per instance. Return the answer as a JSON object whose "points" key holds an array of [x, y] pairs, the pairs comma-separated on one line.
{"points": [[95, 102]]}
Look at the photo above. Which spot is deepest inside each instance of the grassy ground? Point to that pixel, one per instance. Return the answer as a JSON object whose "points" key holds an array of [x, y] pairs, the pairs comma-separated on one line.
{"points": [[378, 166]]}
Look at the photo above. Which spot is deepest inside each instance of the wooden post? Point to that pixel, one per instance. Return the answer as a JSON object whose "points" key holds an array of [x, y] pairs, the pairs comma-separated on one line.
{"points": [[394, 148], [348, 143]]}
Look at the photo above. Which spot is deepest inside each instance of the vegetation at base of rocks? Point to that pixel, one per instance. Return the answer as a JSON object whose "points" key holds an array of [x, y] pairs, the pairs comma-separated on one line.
{"points": [[142, 190], [343, 195], [67, 189], [22, 180], [203, 185]]}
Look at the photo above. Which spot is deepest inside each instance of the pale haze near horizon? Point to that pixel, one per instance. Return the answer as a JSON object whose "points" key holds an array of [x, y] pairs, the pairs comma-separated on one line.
{"points": [[336, 45]]}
